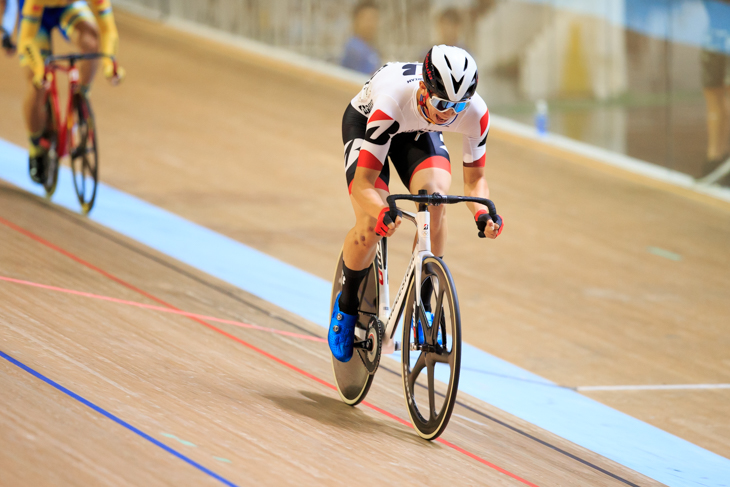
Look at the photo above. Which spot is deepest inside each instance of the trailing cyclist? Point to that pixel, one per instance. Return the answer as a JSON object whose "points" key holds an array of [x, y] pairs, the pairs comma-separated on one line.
{"points": [[401, 113], [90, 27]]}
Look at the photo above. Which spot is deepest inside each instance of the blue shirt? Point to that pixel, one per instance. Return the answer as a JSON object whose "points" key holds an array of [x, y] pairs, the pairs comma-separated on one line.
{"points": [[360, 56], [11, 14]]}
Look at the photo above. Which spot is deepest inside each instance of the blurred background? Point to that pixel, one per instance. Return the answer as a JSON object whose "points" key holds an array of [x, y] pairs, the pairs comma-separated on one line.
{"points": [[645, 78]]}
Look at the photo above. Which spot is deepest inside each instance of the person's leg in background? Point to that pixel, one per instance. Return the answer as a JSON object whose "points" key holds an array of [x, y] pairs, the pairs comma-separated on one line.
{"points": [[717, 99]]}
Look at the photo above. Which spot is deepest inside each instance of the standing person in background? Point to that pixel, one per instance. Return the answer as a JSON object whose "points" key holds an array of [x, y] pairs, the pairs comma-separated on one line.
{"points": [[716, 83], [8, 20], [360, 53], [449, 28]]}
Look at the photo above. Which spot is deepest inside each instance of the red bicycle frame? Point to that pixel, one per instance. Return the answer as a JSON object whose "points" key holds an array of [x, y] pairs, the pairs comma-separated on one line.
{"points": [[63, 127]]}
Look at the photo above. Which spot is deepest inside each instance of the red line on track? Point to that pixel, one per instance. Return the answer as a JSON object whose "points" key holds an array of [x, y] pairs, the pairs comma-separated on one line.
{"points": [[163, 310], [248, 345]]}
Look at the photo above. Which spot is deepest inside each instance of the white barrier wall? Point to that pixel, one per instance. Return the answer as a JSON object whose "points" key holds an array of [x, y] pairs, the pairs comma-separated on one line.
{"points": [[622, 74]]}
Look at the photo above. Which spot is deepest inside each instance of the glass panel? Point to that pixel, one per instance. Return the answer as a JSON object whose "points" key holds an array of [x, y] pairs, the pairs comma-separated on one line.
{"points": [[646, 78]]}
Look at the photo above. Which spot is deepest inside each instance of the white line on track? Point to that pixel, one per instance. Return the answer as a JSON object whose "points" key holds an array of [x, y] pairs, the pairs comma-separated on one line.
{"points": [[667, 387]]}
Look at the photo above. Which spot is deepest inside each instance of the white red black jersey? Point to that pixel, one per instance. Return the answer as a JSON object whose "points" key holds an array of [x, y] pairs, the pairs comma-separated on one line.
{"points": [[389, 101]]}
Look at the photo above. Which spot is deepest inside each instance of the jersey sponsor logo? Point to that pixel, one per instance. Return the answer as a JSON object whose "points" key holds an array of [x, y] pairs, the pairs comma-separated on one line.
{"points": [[409, 69], [412, 69], [366, 109], [380, 128]]}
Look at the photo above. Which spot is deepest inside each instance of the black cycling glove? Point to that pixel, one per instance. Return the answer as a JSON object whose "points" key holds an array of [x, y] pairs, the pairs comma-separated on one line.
{"points": [[482, 217]]}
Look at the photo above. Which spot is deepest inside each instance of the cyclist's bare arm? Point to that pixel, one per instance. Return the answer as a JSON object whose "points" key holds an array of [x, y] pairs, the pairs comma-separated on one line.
{"points": [[475, 184]]}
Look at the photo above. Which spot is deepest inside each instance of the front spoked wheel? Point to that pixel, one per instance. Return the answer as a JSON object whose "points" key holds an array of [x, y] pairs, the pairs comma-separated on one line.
{"points": [[83, 151], [431, 357], [353, 378]]}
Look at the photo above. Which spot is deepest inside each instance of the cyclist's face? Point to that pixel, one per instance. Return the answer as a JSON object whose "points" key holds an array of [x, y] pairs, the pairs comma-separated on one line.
{"points": [[437, 116], [433, 114]]}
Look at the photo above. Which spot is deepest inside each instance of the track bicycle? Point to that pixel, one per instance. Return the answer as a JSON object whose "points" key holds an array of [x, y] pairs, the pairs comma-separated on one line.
{"points": [[75, 134], [435, 348]]}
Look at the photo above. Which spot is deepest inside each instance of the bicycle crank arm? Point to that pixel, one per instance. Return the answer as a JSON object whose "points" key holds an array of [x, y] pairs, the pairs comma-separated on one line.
{"points": [[365, 345]]}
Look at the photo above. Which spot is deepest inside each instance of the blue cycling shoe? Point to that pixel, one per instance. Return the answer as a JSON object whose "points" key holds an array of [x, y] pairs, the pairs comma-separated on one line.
{"points": [[341, 335], [421, 337]]}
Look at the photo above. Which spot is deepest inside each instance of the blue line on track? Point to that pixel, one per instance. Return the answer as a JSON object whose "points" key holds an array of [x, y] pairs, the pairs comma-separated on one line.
{"points": [[564, 412], [117, 420]]}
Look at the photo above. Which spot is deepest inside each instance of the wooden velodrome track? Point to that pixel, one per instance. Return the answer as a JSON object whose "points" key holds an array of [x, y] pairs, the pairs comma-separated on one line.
{"points": [[251, 149]]}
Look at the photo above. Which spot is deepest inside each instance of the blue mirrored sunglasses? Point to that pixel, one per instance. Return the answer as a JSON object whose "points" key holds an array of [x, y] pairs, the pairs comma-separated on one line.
{"points": [[443, 105]]}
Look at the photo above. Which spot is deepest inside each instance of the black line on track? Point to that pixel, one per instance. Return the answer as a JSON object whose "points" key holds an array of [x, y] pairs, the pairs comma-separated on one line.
{"points": [[83, 222], [527, 435], [73, 217]]}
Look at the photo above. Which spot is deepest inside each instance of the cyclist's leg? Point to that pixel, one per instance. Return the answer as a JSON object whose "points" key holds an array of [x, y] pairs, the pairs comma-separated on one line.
{"points": [[78, 24], [359, 246], [359, 249], [434, 180], [34, 113], [422, 162], [361, 241], [34, 109]]}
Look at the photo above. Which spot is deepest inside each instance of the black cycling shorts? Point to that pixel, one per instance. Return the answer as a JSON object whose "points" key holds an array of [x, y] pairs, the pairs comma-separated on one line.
{"points": [[409, 151]]}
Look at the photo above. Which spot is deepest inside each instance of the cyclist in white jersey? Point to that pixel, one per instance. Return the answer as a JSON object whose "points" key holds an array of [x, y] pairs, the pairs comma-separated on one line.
{"points": [[401, 113]]}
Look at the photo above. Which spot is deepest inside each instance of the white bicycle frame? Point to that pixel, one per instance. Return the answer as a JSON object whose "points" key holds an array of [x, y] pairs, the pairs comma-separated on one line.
{"points": [[422, 220]]}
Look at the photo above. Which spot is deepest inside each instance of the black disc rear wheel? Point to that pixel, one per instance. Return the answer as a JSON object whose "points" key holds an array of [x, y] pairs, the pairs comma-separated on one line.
{"points": [[84, 153], [431, 360], [353, 378]]}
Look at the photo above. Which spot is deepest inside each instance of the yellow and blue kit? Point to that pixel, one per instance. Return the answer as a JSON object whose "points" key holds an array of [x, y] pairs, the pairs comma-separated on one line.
{"points": [[40, 17]]}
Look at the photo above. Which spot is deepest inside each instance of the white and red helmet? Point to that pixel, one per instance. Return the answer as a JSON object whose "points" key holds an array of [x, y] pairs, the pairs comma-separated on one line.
{"points": [[450, 73]]}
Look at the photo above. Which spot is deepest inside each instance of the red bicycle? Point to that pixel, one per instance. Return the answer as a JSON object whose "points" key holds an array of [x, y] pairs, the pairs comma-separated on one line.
{"points": [[75, 134]]}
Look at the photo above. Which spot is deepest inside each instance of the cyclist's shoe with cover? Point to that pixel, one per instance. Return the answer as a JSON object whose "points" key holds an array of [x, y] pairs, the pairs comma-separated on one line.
{"points": [[421, 337], [341, 335], [37, 155]]}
